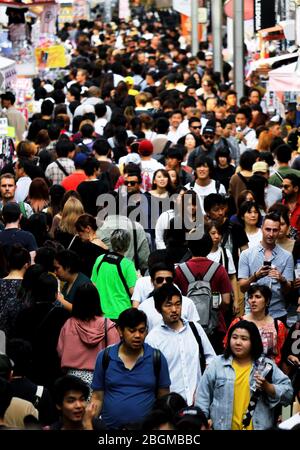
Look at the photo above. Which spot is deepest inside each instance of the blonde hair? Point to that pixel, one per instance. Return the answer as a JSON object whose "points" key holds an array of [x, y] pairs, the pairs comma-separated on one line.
{"points": [[72, 210]]}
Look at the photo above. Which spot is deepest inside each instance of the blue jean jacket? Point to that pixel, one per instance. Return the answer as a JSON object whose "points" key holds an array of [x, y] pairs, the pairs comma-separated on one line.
{"points": [[215, 394]]}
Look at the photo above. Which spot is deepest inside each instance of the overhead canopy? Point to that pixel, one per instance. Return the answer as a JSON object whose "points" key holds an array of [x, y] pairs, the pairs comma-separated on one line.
{"points": [[262, 62], [285, 78]]}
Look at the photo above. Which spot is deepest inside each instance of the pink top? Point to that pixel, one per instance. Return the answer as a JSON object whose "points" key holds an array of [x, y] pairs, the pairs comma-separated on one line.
{"points": [[80, 342]]}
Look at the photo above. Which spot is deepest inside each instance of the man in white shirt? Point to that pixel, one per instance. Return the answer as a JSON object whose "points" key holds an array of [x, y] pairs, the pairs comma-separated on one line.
{"points": [[176, 340], [160, 274], [245, 135], [175, 120]]}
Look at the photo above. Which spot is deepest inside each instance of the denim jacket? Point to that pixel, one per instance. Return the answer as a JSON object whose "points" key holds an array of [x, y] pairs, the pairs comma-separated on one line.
{"points": [[215, 394]]}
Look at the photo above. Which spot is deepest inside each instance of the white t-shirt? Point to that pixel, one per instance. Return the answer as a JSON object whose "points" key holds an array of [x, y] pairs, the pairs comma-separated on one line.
{"points": [[254, 239], [203, 191], [216, 257], [150, 166], [142, 289]]}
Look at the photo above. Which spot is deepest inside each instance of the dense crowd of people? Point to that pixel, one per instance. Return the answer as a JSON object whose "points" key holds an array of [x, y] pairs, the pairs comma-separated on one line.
{"points": [[150, 225]]}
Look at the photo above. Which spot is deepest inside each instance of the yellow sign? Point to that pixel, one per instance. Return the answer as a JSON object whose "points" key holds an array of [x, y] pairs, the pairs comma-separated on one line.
{"points": [[50, 57]]}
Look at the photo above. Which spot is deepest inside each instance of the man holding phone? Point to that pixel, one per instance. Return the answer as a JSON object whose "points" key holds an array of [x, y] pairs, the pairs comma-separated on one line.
{"points": [[269, 264]]}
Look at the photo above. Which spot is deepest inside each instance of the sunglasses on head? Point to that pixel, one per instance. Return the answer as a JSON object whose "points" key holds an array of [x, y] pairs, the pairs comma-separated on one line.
{"points": [[130, 183], [160, 280]]}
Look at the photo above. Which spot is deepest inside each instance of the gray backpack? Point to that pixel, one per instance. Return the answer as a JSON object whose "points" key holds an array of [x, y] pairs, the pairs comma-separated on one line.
{"points": [[199, 291]]}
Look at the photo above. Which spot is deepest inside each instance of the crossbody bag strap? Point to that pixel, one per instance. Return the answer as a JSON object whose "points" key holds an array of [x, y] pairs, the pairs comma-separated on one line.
{"points": [[61, 167], [199, 341]]}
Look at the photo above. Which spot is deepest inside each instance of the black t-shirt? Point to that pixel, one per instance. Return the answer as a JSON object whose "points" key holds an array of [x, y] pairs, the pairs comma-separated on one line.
{"points": [[224, 175], [89, 192], [236, 238], [12, 236]]}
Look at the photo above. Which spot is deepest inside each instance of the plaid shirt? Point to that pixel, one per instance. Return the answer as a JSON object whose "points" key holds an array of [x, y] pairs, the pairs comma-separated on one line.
{"points": [[55, 174]]}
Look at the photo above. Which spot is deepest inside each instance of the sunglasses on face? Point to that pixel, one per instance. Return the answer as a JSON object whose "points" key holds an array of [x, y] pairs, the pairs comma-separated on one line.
{"points": [[130, 183], [196, 127], [160, 280], [208, 136], [285, 186]]}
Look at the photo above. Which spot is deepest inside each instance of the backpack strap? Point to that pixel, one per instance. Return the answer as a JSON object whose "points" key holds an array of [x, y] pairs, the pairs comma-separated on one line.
{"points": [[276, 325], [218, 185], [135, 248], [224, 258], [105, 359], [38, 395], [156, 367], [61, 167], [187, 272], [105, 332], [278, 174], [114, 258], [23, 209], [211, 271], [226, 234], [199, 341]]}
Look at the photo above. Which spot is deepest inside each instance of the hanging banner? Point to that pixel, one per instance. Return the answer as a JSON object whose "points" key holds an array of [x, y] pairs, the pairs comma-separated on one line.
{"points": [[48, 19], [183, 7], [264, 14], [80, 10], [124, 10]]}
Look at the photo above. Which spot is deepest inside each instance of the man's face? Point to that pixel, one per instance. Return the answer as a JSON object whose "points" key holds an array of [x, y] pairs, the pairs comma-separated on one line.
{"points": [[132, 184], [73, 407], [288, 190], [134, 338], [161, 277], [172, 163], [195, 127], [80, 77], [208, 139], [241, 120], [270, 231], [202, 172], [231, 100], [209, 63], [254, 98], [276, 130], [171, 310], [228, 130], [7, 189], [175, 120], [218, 213]]}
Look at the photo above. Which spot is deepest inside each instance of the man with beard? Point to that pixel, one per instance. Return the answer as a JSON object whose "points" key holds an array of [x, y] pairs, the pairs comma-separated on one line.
{"points": [[268, 263], [186, 357], [291, 198], [207, 147]]}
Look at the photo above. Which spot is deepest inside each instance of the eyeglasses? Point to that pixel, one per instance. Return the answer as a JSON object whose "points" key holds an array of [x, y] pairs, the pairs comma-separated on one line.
{"points": [[208, 136], [160, 280], [130, 183], [196, 127]]}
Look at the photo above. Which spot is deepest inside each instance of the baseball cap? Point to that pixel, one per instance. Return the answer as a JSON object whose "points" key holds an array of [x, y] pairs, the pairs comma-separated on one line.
{"points": [[145, 147], [208, 55], [129, 80], [209, 129], [260, 166], [132, 158], [80, 159], [190, 418], [6, 365]]}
